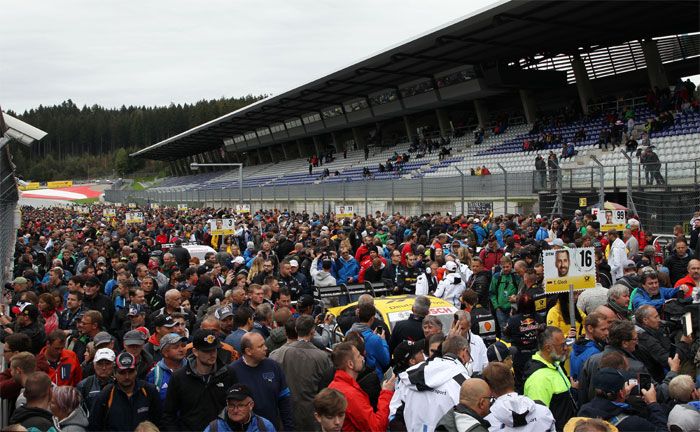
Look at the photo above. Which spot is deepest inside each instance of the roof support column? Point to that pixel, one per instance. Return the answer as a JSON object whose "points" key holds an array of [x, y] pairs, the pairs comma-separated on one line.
{"points": [[529, 107], [482, 114], [583, 83], [358, 138], [335, 143], [260, 156], [284, 150], [410, 127], [273, 157], [655, 69], [299, 148], [317, 146], [443, 122]]}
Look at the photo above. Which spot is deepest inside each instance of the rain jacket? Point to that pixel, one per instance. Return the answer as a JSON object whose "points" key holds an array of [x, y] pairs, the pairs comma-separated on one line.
{"points": [[435, 384], [511, 409], [450, 290], [67, 372], [583, 348], [257, 424], [77, 421], [348, 269], [624, 417], [547, 382], [359, 415]]}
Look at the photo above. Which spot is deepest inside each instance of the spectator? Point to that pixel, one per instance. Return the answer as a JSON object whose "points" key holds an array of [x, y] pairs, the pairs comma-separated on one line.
{"points": [[510, 410], [650, 293], [92, 386], [329, 410], [266, 380], [685, 416], [596, 326], [359, 414], [474, 404], [69, 414], [545, 381], [64, 367], [377, 355], [36, 413], [618, 255], [238, 414], [322, 278], [678, 261], [610, 403], [436, 385], [503, 290], [411, 329], [308, 371], [27, 322], [349, 267], [451, 287], [197, 392], [127, 402], [173, 350], [243, 322]]}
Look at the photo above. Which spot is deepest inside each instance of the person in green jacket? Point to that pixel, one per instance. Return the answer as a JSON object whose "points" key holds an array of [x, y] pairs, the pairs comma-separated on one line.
{"points": [[546, 381], [503, 290]]}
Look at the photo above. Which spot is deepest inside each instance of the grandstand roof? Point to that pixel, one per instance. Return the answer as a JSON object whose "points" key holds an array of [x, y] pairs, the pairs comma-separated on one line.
{"points": [[508, 31]]}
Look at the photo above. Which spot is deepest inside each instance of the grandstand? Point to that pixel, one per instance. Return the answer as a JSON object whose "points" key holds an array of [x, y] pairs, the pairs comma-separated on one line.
{"points": [[472, 73]]}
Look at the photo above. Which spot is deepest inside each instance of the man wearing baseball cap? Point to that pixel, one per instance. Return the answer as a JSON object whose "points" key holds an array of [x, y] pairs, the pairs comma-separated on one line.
{"points": [[27, 322], [172, 350], [197, 391], [238, 414], [164, 324], [121, 406], [612, 388], [134, 340], [90, 387]]}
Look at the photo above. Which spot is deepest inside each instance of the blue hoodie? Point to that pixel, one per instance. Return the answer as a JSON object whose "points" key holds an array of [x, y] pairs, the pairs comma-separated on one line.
{"points": [[348, 269], [579, 354]]}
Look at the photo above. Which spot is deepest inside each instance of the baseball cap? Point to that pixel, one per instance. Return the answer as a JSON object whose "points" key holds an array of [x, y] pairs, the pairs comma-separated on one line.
{"points": [[170, 339], [305, 301], [294, 263], [164, 320], [136, 309], [610, 380], [101, 260], [134, 337], [451, 266], [407, 349], [558, 242], [239, 392], [152, 265], [26, 308], [126, 361], [19, 280], [223, 313], [102, 338], [104, 354], [390, 241], [498, 351], [205, 340], [239, 260], [629, 264]]}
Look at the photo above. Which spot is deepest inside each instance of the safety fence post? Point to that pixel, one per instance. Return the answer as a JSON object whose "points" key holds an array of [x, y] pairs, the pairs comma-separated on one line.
{"points": [[505, 188], [461, 182]]}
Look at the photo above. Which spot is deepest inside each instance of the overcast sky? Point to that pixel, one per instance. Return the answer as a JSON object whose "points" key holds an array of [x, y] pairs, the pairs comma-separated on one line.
{"points": [[155, 52]]}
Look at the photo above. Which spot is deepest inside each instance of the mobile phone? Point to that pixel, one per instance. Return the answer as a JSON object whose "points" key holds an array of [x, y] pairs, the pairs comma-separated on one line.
{"points": [[644, 381], [687, 322]]}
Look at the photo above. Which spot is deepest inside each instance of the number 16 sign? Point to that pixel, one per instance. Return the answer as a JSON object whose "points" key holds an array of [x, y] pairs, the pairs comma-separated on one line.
{"points": [[564, 267]]}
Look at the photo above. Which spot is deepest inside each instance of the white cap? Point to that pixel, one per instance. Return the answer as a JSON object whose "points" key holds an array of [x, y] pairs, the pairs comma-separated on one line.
{"points": [[239, 260], [294, 263], [104, 354], [632, 222], [476, 220], [451, 266], [324, 228]]}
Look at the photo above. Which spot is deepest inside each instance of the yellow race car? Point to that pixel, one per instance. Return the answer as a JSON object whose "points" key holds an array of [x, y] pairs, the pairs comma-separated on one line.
{"points": [[398, 308]]}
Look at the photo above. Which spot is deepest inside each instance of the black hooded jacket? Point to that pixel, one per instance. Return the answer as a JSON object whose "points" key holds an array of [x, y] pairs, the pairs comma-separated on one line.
{"points": [[32, 417]]}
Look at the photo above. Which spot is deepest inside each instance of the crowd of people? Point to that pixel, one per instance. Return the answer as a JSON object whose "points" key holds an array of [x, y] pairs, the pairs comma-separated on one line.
{"points": [[109, 326]]}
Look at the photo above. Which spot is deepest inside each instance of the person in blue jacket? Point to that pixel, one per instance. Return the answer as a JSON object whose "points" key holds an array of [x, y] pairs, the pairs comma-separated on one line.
{"points": [[501, 233], [348, 267], [479, 231], [238, 414], [542, 233], [650, 293], [173, 350], [377, 354], [597, 326]]}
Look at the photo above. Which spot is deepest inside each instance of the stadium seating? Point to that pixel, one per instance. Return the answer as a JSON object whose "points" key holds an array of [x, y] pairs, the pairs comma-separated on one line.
{"points": [[677, 143]]}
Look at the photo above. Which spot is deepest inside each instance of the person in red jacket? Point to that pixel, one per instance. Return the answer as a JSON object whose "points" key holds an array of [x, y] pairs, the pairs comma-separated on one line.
{"points": [[637, 233], [64, 367], [491, 255], [14, 344], [359, 415]]}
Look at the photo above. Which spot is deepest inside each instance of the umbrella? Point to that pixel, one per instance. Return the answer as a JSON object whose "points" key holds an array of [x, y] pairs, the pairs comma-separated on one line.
{"points": [[613, 206]]}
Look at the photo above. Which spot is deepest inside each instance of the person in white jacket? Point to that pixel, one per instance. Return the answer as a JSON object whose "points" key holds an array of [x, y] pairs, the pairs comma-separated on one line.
{"points": [[512, 411], [477, 347], [617, 256], [430, 389], [322, 278], [451, 287]]}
